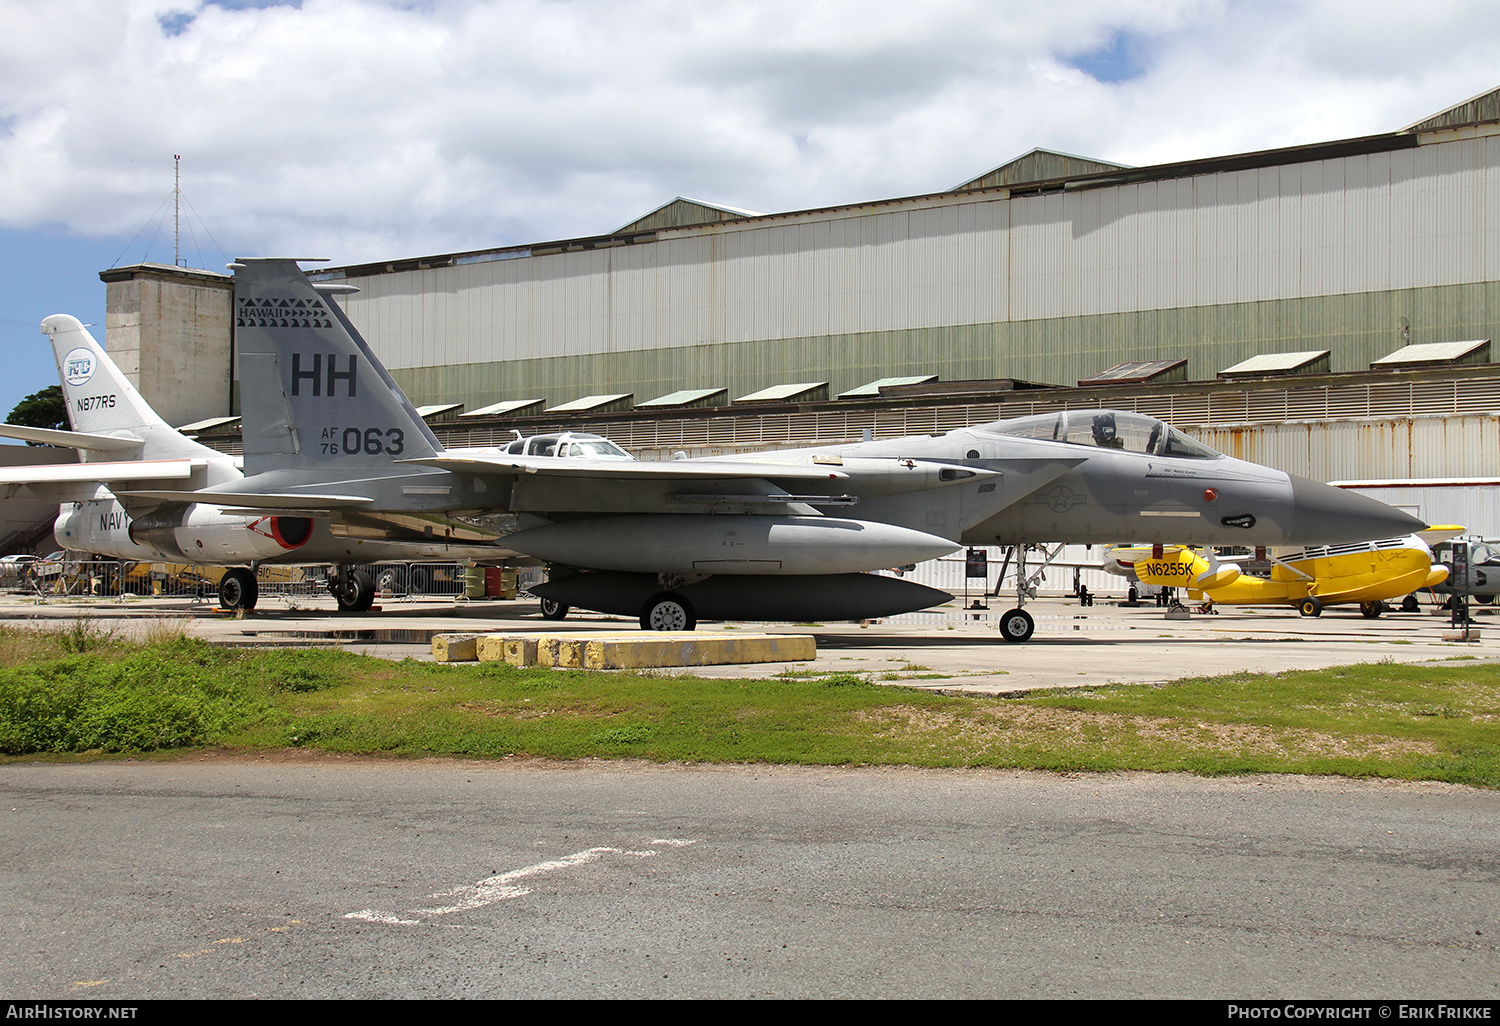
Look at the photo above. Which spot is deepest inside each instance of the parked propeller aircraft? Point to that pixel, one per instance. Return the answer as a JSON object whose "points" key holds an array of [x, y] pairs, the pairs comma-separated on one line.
{"points": [[1484, 570], [1363, 573], [125, 443], [326, 429]]}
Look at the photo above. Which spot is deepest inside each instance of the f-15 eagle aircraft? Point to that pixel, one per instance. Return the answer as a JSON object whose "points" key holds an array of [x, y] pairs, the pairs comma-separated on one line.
{"points": [[745, 538], [1362, 573], [126, 445]]}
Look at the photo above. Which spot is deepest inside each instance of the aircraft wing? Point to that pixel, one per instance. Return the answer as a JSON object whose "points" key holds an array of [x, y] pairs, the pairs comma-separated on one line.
{"points": [[69, 439], [101, 473], [629, 469]]}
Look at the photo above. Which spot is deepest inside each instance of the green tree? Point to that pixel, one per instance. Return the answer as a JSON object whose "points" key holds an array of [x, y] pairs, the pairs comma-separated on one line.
{"points": [[44, 409]]}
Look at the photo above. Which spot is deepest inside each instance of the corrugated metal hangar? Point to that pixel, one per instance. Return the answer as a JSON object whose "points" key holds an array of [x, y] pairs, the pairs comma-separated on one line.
{"points": [[1302, 307]]}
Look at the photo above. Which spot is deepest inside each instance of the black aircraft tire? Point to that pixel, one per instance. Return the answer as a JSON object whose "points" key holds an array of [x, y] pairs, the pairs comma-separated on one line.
{"points": [[668, 612], [357, 596], [1369, 610], [554, 610], [238, 589], [1411, 605], [1310, 607], [362, 592], [1017, 625]]}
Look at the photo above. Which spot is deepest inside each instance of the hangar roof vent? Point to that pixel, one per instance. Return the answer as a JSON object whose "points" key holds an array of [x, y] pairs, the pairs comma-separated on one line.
{"points": [[1140, 372], [803, 391], [1435, 354], [1484, 107], [1310, 361], [681, 212], [1039, 166], [508, 408], [438, 411], [686, 398], [617, 402], [871, 390]]}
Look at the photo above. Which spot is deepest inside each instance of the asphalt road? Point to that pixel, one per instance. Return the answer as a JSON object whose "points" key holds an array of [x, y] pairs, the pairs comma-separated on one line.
{"points": [[329, 878]]}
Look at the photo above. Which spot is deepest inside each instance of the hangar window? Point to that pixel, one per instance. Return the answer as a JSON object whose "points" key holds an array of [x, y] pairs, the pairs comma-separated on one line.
{"points": [[1106, 429]]}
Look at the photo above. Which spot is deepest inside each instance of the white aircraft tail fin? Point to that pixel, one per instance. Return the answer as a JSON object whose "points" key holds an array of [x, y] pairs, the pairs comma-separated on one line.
{"points": [[102, 402], [313, 395]]}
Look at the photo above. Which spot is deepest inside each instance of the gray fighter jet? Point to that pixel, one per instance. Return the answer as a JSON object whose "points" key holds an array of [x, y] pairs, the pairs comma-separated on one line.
{"points": [[785, 535]]}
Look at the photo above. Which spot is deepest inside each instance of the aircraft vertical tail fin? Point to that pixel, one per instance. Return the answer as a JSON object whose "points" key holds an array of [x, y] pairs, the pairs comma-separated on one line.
{"points": [[102, 401], [312, 394]]}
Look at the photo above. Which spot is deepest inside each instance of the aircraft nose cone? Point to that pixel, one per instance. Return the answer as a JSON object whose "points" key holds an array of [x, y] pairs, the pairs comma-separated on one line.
{"points": [[1324, 515]]}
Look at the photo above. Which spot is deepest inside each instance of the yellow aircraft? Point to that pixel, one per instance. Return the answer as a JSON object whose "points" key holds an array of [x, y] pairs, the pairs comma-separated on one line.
{"points": [[1309, 579]]}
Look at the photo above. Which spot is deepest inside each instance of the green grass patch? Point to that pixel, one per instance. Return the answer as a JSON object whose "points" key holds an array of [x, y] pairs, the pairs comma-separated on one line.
{"points": [[1435, 722]]}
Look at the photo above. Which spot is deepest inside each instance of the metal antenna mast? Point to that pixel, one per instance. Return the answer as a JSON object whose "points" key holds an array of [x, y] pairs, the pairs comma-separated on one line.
{"points": [[177, 210]]}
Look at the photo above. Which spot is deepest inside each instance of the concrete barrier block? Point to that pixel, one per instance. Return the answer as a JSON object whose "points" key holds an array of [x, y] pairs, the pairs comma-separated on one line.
{"points": [[688, 648], [455, 648], [491, 648], [520, 652], [1458, 635], [546, 649], [569, 655]]}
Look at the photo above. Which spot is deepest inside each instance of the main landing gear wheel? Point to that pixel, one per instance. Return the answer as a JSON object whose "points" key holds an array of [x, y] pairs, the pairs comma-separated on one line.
{"points": [[354, 593], [668, 612], [553, 610], [1369, 610], [1017, 625], [238, 589], [1411, 605], [1310, 607]]}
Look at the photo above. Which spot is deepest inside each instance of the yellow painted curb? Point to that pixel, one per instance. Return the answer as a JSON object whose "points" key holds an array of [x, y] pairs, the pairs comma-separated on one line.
{"points": [[687, 648], [454, 648], [636, 650]]}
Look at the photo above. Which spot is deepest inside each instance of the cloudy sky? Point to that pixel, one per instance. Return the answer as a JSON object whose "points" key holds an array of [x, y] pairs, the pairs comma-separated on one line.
{"points": [[367, 129]]}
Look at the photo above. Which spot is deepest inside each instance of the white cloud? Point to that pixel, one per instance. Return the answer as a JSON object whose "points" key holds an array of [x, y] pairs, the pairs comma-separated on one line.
{"points": [[360, 129]]}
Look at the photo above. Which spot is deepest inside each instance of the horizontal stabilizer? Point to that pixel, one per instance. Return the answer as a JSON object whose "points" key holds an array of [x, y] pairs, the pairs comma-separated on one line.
{"points": [[70, 439], [104, 473]]}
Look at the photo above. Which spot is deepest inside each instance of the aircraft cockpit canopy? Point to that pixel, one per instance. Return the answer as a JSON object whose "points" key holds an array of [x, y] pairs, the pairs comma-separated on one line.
{"points": [[568, 444], [1106, 429], [1480, 553]]}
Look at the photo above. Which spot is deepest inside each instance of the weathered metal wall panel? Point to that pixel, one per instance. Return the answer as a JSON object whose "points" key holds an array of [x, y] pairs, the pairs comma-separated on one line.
{"points": [[1403, 449], [1060, 350], [988, 283], [1475, 506]]}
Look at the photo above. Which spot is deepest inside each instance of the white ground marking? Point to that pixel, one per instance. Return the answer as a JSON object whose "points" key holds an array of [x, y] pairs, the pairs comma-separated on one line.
{"points": [[501, 886]]}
